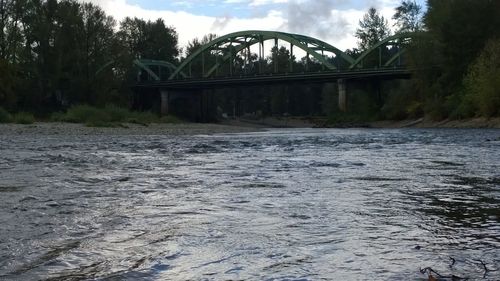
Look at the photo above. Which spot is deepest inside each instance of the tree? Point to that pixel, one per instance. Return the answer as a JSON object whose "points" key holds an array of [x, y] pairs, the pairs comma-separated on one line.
{"points": [[196, 43], [482, 83], [408, 17], [149, 40], [372, 29], [7, 84], [457, 31], [280, 58]]}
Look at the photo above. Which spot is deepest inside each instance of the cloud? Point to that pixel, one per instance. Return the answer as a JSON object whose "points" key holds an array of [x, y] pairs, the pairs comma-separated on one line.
{"points": [[328, 20], [316, 18], [221, 23], [267, 2]]}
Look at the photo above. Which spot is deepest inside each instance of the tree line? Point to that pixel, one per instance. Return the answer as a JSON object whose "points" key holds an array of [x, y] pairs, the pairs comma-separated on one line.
{"points": [[52, 54], [56, 54]]}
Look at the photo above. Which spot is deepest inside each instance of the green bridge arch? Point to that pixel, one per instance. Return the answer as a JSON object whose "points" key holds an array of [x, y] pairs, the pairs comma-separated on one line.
{"points": [[398, 41], [245, 39], [146, 64], [237, 42]]}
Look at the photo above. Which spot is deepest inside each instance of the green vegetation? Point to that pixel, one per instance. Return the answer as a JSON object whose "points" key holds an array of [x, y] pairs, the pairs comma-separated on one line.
{"points": [[456, 59], [372, 29], [52, 54], [108, 116], [24, 118], [54, 62], [481, 92], [4, 116]]}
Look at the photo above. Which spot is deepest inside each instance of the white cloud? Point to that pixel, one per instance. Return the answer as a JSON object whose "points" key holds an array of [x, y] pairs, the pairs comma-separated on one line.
{"points": [[332, 25]]}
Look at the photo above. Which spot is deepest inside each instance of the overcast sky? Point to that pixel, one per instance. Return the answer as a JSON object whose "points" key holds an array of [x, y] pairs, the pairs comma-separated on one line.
{"points": [[333, 21]]}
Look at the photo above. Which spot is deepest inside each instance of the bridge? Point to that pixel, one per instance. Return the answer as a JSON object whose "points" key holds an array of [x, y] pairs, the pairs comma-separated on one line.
{"points": [[238, 59]]}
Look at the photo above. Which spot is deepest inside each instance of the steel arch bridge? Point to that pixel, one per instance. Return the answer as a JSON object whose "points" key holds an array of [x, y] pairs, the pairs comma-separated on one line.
{"points": [[224, 50], [224, 61], [217, 58]]}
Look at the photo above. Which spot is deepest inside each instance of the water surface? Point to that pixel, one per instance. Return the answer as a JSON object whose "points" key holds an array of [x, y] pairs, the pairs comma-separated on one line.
{"points": [[277, 205]]}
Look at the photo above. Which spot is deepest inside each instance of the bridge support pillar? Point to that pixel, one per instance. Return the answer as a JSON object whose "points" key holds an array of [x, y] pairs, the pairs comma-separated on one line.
{"points": [[207, 111], [342, 85], [164, 102]]}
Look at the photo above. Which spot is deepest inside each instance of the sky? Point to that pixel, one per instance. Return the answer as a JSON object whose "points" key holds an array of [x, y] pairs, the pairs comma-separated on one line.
{"points": [[333, 21]]}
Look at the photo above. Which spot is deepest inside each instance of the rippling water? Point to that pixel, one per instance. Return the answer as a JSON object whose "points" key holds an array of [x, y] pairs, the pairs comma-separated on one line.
{"points": [[277, 205]]}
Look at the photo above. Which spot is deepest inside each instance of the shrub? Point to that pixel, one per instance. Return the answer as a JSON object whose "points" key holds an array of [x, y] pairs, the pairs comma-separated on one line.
{"points": [[80, 114], [109, 116], [169, 119], [4, 116], [58, 117], [115, 113], [24, 118]]}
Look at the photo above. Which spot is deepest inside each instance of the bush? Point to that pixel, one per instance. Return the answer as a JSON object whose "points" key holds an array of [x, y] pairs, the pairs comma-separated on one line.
{"points": [[169, 119], [80, 114], [4, 116], [58, 117], [24, 118], [109, 116], [115, 113]]}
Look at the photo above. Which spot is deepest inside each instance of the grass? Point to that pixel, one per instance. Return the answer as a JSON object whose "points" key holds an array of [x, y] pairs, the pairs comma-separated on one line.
{"points": [[109, 116], [5, 116], [348, 118], [23, 118]]}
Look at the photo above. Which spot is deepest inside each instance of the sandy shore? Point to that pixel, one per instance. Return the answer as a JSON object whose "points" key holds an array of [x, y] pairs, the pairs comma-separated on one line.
{"points": [[54, 128]]}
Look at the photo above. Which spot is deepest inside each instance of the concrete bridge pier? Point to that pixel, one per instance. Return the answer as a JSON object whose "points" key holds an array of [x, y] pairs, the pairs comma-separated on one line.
{"points": [[342, 86], [164, 102], [207, 106]]}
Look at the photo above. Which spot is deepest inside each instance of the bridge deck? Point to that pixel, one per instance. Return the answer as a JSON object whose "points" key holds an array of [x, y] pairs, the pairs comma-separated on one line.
{"points": [[268, 79]]}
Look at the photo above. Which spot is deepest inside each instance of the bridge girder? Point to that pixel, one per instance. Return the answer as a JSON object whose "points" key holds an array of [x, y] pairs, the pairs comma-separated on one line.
{"points": [[395, 41], [245, 39], [145, 64]]}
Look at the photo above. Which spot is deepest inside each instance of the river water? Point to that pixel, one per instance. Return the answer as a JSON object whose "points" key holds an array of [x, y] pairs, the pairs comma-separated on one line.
{"points": [[288, 204]]}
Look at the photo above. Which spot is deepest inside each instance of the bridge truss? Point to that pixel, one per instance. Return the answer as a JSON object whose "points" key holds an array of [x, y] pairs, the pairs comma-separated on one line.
{"points": [[222, 56]]}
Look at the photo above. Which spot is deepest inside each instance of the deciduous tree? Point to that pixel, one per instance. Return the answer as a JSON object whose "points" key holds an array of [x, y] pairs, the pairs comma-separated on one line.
{"points": [[408, 17]]}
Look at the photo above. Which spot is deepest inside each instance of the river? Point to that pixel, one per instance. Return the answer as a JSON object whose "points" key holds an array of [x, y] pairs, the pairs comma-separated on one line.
{"points": [[283, 204]]}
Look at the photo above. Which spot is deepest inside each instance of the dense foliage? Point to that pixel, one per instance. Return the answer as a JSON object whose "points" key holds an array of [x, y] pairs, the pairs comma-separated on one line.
{"points": [[62, 55], [55, 54], [456, 42]]}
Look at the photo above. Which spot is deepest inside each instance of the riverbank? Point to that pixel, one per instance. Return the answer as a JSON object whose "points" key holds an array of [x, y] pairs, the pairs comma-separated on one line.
{"points": [[313, 122], [229, 126], [424, 123], [57, 128]]}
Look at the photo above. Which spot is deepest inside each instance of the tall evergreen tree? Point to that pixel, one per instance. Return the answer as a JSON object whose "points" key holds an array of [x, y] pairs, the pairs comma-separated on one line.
{"points": [[372, 28]]}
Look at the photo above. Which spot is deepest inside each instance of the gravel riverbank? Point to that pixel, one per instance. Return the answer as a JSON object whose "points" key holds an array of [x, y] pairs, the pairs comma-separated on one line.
{"points": [[53, 128], [229, 126]]}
